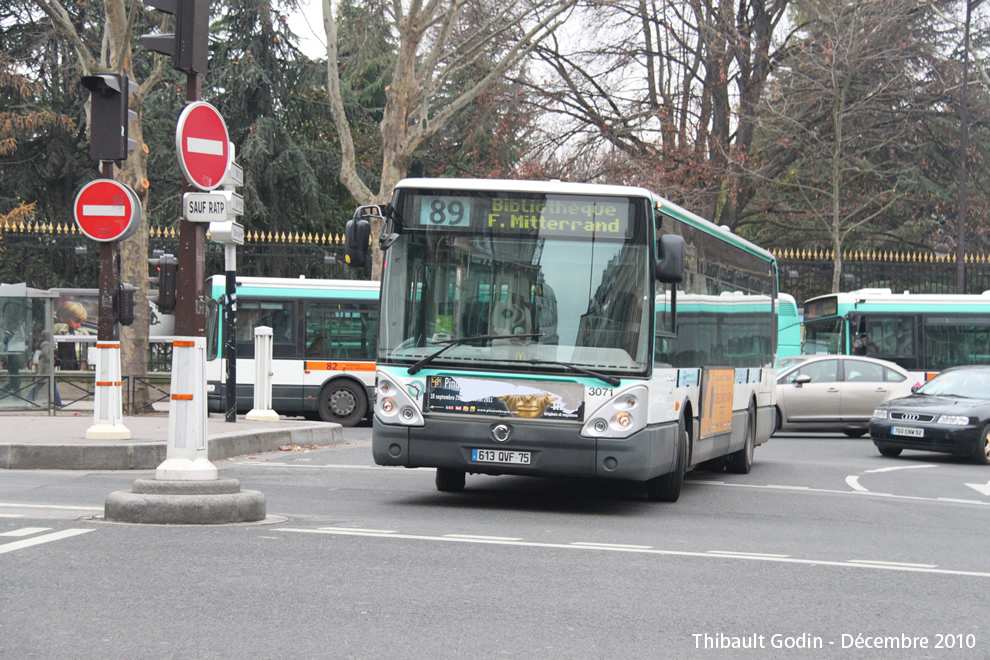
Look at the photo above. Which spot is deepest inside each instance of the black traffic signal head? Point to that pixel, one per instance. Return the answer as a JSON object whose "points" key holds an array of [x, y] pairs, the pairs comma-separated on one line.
{"points": [[109, 116], [168, 270], [124, 304], [189, 44], [357, 234]]}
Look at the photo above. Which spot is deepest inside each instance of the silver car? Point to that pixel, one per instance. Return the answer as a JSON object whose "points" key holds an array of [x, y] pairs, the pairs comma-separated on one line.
{"points": [[837, 392]]}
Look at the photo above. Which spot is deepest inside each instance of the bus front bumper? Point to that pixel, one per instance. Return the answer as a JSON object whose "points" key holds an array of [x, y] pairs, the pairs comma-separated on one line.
{"points": [[553, 450]]}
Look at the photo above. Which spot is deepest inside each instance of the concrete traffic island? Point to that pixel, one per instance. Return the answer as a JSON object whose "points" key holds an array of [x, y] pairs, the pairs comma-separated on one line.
{"points": [[173, 502], [186, 489]]}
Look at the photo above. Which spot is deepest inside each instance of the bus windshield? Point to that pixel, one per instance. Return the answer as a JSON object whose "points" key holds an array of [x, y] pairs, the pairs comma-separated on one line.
{"points": [[823, 336], [548, 278]]}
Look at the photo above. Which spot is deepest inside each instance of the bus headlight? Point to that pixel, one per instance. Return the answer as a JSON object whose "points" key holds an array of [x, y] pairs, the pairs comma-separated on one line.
{"points": [[393, 405], [620, 417]]}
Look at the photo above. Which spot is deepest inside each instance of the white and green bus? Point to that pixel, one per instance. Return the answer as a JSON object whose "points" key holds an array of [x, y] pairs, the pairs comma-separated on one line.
{"points": [[323, 345], [789, 328], [564, 329], [924, 333]]}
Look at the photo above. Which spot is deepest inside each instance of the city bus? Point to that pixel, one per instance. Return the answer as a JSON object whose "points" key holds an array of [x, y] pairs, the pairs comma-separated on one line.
{"points": [[537, 328], [924, 333], [323, 345], [789, 328]]}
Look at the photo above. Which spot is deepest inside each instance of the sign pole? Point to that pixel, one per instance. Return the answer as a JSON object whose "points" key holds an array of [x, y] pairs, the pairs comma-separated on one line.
{"points": [[229, 330], [108, 412]]}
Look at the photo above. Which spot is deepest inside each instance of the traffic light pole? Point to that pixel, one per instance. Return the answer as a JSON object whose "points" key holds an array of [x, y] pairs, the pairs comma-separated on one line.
{"points": [[108, 416]]}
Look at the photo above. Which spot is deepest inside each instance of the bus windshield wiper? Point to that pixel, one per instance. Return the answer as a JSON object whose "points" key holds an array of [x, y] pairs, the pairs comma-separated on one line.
{"points": [[611, 380], [464, 340]]}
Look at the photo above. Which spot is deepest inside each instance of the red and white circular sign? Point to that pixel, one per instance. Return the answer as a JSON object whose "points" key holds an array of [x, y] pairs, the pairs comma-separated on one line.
{"points": [[202, 145], [107, 210]]}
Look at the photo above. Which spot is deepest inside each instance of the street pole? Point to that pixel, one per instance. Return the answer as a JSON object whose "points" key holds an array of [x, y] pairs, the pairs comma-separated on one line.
{"points": [[190, 300], [229, 330], [963, 147]]}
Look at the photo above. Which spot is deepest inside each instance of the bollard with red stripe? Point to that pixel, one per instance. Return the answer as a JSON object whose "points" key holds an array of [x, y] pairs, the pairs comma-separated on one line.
{"points": [[108, 417]]}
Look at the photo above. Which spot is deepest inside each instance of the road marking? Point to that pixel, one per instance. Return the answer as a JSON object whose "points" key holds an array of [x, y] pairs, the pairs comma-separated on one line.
{"points": [[335, 466], [890, 563], [744, 554], [591, 544], [983, 489], [11, 515], [26, 531], [784, 559], [853, 482], [482, 538], [788, 487], [899, 467], [52, 506], [37, 540], [358, 529]]}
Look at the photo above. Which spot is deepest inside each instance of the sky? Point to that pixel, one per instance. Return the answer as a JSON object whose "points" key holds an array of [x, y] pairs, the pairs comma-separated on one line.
{"points": [[307, 23]]}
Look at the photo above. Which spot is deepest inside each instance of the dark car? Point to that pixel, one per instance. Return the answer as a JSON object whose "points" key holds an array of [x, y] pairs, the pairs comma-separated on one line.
{"points": [[950, 414]]}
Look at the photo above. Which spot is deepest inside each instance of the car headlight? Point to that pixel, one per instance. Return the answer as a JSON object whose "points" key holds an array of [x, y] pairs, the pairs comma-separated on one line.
{"points": [[880, 413], [953, 420]]}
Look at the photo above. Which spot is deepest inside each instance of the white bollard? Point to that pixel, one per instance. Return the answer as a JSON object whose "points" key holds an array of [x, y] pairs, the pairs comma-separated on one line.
{"points": [[108, 417], [263, 344], [186, 454]]}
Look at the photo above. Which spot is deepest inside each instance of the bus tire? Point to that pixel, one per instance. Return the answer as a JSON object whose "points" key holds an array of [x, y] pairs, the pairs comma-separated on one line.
{"points": [[741, 462], [667, 487], [342, 401], [450, 480]]}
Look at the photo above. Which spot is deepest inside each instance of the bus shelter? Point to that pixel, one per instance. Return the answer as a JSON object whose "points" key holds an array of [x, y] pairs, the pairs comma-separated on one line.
{"points": [[27, 354]]}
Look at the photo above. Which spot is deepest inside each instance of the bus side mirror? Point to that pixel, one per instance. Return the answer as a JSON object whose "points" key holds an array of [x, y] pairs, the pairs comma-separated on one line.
{"points": [[669, 266], [357, 240]]}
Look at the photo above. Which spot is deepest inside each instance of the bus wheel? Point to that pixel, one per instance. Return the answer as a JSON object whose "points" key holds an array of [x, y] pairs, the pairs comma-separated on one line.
{"points": [[667, 487], [342, 402], [450, 480], [741, 462]]}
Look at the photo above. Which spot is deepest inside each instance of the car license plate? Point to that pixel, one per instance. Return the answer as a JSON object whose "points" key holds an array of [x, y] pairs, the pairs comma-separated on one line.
{"points": [[907, 431], [500, 456]]}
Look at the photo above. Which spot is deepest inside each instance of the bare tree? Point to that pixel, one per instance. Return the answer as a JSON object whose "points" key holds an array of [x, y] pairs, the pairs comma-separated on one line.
{"points": [[115, 56], [669, 88], [842, 112], [434, 45]]}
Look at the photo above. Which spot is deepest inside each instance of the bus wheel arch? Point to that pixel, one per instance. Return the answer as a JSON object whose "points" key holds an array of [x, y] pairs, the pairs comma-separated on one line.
{"points": [[343, 400], [667, 487]]}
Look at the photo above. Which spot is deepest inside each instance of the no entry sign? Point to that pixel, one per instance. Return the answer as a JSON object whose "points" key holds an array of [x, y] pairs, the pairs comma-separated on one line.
{"points": [[107, 210], [202, 145]]}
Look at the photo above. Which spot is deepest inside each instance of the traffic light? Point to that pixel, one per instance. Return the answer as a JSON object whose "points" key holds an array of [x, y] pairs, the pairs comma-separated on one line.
{"points": [[189, 44], [166, 279], [123, 304], [109, 116]]}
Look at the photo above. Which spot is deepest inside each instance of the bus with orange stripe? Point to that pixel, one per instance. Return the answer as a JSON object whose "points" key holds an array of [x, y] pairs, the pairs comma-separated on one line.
{"points": [[324, 337]]}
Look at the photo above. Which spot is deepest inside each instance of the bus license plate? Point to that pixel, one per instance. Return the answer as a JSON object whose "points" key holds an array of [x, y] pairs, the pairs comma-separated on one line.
{"points": [[500, 456], [907, 431]]}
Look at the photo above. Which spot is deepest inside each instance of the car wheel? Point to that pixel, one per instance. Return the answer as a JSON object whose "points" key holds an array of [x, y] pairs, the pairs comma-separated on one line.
{"points": [[450, 480], [890, 452], [741, 462], [343, 402], [854, 433], [667, 487], [778, 421], [983, 448]]}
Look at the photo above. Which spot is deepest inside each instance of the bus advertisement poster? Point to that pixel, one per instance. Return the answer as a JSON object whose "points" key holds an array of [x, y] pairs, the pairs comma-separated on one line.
{"points": [[489, 396], [716, 401]]}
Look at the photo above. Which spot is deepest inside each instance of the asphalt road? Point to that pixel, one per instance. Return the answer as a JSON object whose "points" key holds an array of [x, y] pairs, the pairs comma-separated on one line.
{"points": [[826, 549]]}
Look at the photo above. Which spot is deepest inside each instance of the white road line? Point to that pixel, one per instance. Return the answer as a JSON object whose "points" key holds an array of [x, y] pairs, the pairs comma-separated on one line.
{"points": [[51, 506], [744, 554], [789, 487], [880, 566], [482, 538], [337, 466], [899, 467], [611, 545], [54, 536], [890, 563], [11, 515], [26, 531], [853, 482], [358, 529]]}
